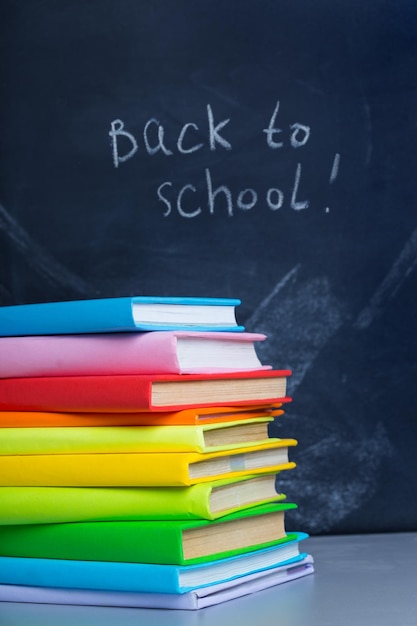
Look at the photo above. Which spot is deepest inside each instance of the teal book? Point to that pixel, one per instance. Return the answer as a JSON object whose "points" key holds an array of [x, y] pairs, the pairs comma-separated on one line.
{"points": [[146, 577], [176, 542], [103, 315]]}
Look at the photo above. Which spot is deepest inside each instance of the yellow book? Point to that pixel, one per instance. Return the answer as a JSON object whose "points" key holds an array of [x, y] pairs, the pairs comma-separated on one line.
{"points": [[143, 469]]}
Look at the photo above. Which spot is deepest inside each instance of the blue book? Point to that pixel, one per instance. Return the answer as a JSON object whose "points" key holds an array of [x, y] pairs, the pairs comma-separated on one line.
{"points": [[125, 314], [145, 577]]}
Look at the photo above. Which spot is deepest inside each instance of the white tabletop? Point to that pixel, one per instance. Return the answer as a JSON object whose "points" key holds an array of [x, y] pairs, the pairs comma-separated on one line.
{"points": [[368, 580]]}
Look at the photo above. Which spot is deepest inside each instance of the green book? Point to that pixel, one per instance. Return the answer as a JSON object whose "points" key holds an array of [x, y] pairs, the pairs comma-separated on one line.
{"points": [[43, 505], [176, 542]]}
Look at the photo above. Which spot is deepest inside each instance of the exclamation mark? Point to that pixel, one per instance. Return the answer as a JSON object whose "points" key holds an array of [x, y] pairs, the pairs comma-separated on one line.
{"points": [[335, 168], [333, 174]]}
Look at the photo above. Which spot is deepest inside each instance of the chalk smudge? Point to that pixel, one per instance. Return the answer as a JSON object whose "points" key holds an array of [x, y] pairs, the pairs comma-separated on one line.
{"points": [[299, 320], [260, 311], [39, 260], [402, 267], [334, 477]]}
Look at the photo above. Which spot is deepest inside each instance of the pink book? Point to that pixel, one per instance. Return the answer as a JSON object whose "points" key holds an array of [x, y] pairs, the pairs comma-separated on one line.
{"points": [[158, 352]]}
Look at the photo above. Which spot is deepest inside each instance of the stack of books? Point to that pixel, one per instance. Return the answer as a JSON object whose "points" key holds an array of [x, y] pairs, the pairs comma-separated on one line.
{"points": [[136, 466]]}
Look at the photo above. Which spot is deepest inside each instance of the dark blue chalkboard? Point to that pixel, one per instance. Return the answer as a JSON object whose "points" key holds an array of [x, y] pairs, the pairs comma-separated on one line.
{"points": [[255, 149]]}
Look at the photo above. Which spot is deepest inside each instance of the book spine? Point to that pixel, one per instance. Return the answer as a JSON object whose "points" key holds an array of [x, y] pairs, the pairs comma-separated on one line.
{"points": [[94, 470], [78, 394], [113, 439], [40, 505], [109, 576], [47, 419], [87, 354], [78, 316], [127, 542]]}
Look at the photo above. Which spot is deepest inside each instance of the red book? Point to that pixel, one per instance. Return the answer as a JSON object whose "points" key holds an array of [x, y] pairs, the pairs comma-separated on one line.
{"points": [[142, 392]]}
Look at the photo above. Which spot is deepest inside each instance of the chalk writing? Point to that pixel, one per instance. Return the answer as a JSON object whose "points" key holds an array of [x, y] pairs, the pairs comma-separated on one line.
{"points": [[297, 129], [154, 138], [219, 196], [117, 130], [214, 134], [180, 141], [160, 142], [181, 199], [335, 168]]}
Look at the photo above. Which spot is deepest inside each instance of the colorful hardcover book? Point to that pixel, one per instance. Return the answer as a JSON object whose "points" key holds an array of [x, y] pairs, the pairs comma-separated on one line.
{"points": [[152, 469], [211, 500], [192, 600], [203, 415], [147, 577], [176, 542], [105, 439], [160, 352], [103, 315], [141, 392]]}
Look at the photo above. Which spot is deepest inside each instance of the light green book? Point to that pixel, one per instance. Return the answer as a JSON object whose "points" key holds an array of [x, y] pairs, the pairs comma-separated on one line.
{"points": [[43, 505], [115, 439]]}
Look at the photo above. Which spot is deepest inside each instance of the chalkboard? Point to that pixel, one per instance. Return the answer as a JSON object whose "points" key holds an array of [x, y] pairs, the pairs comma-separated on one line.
{"points": [[256, 149]]}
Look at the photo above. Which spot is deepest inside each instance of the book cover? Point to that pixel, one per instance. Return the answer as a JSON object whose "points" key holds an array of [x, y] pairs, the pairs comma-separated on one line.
{"points": [[185, 417], [176, 542], [147, 577], [141, 392], [211, 500], [105, 439], [192, 600], [159, 352], [152, 469], [103, 315]]}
